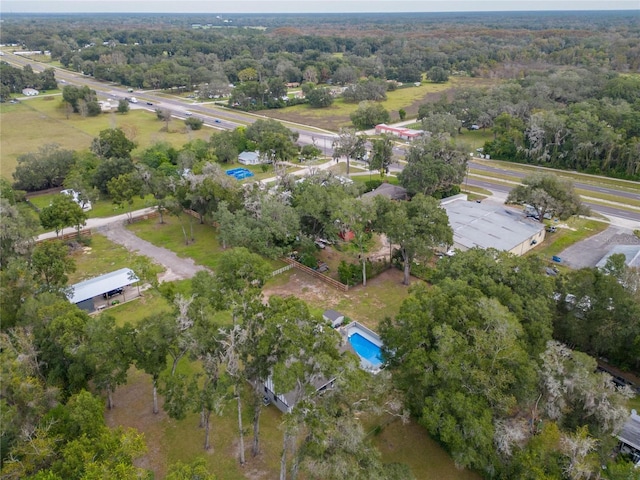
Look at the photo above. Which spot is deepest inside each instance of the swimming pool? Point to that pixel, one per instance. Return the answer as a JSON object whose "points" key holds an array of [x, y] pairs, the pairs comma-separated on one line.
{"points": [[366, 349], [367, 345]]}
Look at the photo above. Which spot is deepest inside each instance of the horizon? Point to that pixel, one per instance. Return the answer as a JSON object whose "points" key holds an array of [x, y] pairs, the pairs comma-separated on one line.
{"points": [[309, 7]]}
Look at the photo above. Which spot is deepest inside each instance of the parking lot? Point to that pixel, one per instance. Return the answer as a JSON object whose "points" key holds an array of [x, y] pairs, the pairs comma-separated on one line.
{"points": [[588, 252]]}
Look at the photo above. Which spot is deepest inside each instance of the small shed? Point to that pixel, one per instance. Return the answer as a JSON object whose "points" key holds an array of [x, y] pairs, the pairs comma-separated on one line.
{"points": [[83, 293], [629, 437], [335, 318], [249, 158]]}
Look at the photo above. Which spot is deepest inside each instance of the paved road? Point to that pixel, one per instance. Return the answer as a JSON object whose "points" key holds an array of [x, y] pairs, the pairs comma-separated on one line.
{"points": [[621, 193]]}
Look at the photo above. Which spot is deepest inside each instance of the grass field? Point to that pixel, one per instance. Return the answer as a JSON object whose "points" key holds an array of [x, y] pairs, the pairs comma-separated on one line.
{"points": [[409, 99], [33, 123]]}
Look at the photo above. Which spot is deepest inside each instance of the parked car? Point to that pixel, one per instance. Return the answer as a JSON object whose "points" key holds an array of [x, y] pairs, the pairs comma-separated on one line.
{"points": [[113, 293]]}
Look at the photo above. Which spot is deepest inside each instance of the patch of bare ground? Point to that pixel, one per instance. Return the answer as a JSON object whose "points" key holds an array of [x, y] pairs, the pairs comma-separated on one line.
{"points": [[134, 408]]}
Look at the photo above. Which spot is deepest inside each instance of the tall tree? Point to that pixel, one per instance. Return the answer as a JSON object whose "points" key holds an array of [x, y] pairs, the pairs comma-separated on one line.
{"points": [[350, 145], [381, 154], [112, 143], [358, 217], [416, 227], [63, 212], [16, 232], [123, 189], [434, 164], [51, 262], [548, 195]]}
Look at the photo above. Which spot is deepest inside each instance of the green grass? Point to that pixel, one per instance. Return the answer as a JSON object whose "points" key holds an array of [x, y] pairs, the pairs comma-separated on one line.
{"points": [[150, 304], [99, 257], [579, 229], [411, 444], [337, 115], [46, 114], [204, 251], [101, 208]]}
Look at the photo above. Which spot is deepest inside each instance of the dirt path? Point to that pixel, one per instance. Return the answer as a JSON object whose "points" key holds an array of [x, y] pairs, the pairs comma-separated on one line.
{"points": [[176, 268]]}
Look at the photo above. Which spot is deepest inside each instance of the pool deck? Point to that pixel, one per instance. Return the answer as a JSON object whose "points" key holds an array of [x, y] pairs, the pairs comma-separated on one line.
{"points": [[354, 327]]}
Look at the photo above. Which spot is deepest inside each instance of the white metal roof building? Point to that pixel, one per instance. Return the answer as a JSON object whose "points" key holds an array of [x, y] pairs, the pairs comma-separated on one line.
{"points": [[491, 226], [87, 290], [631, 255]]}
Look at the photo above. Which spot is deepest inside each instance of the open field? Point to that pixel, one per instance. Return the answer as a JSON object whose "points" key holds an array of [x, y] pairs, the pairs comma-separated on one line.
{"points": [[409, 99], [47, 122]]}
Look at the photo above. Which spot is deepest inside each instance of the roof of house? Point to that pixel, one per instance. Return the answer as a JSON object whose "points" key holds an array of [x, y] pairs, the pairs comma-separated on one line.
{"points": [[249, 156], [630, 252], [394, 192], [332, 315], [488, 226], [104, 283], [630, 433]]}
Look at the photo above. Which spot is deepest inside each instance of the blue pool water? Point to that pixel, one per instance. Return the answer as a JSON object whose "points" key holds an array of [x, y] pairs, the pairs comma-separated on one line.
{"points": [[366, 349], [240, 173]]}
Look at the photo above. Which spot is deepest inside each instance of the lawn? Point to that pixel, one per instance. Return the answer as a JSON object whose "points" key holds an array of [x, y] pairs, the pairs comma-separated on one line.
{"points": [[569, 232], [99, 257], [205, 250], [46, 114]]}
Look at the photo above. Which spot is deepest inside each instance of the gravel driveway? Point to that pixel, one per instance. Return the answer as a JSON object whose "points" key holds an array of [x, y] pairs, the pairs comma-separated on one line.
{"points": [[588, 252], [176, 268]]}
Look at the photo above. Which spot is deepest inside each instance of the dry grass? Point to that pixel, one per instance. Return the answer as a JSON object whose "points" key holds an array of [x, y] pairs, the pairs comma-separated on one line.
{"points": [[409, 99], [30, 124]]}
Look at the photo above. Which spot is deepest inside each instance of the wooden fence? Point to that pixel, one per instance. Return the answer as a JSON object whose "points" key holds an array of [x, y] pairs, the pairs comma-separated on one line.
{"points": [[86, 233], [328, 280]]}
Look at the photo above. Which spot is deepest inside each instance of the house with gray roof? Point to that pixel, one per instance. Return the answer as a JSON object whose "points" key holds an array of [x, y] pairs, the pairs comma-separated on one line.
{"points": [[250, 158], [83, 294], [491, 226], [629, 438]]}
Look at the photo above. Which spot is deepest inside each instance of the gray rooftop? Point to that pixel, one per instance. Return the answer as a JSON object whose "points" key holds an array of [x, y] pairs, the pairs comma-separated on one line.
{"points": [[630, 252], [394, 192], [332, 315], [488, 226], [630, 433], [102, 284]]}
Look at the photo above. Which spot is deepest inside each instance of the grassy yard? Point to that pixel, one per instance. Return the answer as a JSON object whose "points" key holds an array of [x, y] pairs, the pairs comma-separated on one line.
{"points": [[46, 114], [568, 233], [99, 257]]}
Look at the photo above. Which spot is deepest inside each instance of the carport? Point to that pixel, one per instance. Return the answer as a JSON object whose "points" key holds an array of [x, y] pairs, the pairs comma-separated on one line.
{"points": [[84, 293]]}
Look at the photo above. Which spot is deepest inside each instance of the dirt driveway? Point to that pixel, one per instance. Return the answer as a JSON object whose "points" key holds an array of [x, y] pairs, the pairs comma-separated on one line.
{"points": [[176, 268]]}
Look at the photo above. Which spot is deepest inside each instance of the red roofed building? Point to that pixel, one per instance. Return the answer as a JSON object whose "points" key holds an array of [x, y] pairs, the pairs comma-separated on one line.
{"points": [[406, 133]]}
